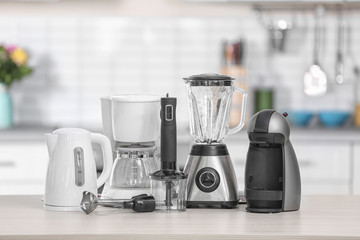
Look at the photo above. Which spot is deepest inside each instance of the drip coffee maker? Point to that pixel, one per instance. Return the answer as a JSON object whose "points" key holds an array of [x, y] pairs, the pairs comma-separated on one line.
{"points": [[132, 124], [211, 177]]}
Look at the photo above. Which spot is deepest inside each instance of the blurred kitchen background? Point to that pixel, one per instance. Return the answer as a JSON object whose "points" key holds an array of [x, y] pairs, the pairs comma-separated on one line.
{"points": [[81, 50]]}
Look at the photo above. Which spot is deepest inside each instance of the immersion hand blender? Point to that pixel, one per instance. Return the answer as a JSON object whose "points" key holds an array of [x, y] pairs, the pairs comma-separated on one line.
{"points": [[140, 203], [168, 185]]}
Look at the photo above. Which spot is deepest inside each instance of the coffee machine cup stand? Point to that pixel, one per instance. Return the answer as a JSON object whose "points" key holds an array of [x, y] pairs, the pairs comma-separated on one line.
{"points": [[272, 176], [132, 124], [211, 176]]}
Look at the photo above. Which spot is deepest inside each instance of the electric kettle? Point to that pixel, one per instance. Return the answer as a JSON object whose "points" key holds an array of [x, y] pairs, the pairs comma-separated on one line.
{"points": [[72, 168]]}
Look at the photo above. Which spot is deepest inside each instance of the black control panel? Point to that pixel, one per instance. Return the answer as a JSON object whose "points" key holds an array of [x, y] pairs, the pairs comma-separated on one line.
{"points": [[207, 179]]}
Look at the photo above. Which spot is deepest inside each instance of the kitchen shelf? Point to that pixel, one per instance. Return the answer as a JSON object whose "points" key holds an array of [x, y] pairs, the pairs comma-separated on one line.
{"points": [[286, 5]]}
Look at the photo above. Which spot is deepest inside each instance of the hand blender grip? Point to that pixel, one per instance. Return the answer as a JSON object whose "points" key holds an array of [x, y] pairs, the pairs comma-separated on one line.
{"points": [[143, 203], [168, 133]]}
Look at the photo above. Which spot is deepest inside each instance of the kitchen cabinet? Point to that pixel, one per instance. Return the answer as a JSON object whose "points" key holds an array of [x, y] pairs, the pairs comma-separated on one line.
{"points": [[23, 160], [23, 167], [326, 166], [356, 168]]}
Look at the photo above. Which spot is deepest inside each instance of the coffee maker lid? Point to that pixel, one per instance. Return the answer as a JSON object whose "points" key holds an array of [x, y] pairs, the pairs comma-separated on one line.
{"points": [[135, 98], [209, 77], [70, 131]]}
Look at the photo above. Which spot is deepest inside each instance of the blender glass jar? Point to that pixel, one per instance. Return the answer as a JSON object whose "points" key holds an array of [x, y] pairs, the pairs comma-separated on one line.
{"points": [[209, 104]]}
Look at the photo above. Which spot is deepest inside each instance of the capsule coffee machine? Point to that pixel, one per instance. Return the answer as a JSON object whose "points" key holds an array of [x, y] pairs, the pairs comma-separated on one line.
{"points": [[272, 176], [211, 176]]}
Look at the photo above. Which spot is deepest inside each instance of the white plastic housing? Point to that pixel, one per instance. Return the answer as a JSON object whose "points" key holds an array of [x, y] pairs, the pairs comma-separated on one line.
{"points": [[135, 118]]}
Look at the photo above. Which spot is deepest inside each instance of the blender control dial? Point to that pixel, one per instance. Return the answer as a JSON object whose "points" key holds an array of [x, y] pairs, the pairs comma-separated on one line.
{"points": [[207, 179]]}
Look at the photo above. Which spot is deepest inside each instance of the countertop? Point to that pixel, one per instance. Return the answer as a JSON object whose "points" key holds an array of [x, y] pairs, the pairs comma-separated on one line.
{"points": [[320, 217]]}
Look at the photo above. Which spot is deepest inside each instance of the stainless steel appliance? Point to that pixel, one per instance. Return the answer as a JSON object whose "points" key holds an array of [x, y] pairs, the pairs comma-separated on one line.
{"points": [[211, 176], [272, 176]]}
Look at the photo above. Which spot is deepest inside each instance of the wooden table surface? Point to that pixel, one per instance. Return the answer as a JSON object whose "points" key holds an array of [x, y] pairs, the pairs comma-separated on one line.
{"points": [[320, 217]]}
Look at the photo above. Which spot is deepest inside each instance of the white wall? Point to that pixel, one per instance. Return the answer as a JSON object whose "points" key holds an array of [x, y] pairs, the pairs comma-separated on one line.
{"points": [[122, 8], [82, 50]]}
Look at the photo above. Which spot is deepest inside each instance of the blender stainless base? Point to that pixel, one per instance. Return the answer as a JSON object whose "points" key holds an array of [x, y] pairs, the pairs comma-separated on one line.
{"points": [[211, 177]]}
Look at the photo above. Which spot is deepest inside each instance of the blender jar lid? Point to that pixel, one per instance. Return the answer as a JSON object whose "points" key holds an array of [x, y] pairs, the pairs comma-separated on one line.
{"points": [[210, 77]]}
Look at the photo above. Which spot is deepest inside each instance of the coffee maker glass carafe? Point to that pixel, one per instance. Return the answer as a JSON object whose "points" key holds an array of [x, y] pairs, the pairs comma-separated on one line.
{"points": [[132, 167], [209, 99]]}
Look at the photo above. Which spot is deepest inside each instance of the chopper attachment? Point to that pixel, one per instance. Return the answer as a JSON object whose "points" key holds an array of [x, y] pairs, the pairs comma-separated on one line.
{"points": [[140, 203], [169, 190]]}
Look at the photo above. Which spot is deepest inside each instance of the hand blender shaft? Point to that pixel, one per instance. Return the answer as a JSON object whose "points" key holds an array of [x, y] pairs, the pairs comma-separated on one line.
{"points": [[140, 203]]}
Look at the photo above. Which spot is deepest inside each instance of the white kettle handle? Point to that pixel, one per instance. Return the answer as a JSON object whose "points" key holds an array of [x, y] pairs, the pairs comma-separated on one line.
{"points": [[243, 111], [107, 157]]}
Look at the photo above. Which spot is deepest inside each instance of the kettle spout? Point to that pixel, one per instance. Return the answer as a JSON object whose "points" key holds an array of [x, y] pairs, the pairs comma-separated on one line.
{"points": [[51, 140]]}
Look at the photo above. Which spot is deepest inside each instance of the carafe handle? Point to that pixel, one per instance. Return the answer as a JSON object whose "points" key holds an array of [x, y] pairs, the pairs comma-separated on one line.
{"points": [[243, 111], [105, 144]]}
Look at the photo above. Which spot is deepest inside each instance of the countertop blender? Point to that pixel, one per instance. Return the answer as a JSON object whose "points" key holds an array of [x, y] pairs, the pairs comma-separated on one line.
{"points": [[211, 176]]}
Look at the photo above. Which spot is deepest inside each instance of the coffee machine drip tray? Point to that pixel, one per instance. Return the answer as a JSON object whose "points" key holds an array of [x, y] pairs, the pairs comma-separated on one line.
{"points": [[271, 200]]}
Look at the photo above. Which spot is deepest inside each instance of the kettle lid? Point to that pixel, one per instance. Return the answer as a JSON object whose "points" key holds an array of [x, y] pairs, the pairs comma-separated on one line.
{"points": [[70, 131]]}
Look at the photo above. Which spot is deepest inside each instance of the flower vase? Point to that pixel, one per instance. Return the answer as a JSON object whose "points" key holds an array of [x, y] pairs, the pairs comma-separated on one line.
{"points": [[6, 110]]}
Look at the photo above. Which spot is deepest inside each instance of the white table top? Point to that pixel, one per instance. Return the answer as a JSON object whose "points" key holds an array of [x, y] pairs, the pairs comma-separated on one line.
{"points": [[320, 217]]}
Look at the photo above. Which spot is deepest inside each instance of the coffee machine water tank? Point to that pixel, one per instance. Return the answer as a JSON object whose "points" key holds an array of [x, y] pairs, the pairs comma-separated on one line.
{"points": [[272, 176]]}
